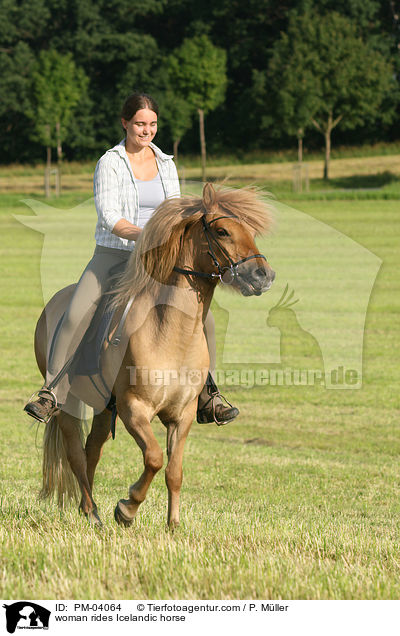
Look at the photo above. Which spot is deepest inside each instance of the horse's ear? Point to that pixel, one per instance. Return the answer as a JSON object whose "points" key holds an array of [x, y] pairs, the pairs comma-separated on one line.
{"points": [[208, 197]]}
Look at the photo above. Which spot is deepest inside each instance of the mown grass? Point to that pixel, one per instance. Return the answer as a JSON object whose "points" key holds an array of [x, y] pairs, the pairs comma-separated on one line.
{"points": [[298, 498]]}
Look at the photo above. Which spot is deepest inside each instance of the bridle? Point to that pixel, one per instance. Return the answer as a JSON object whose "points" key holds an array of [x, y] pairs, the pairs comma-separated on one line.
{"points": [[226, 274]]}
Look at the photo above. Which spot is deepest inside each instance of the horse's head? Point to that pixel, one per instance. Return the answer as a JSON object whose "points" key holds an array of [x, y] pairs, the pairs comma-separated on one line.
{"points": [[205, 239], [230, 222]]}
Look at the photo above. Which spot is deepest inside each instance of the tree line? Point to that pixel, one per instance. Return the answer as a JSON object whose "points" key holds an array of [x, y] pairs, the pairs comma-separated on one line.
{"points": [[264, 74]]}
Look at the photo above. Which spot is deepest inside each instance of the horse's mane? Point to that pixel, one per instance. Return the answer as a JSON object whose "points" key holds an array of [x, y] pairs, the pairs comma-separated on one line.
{"points": [[161, 241]]}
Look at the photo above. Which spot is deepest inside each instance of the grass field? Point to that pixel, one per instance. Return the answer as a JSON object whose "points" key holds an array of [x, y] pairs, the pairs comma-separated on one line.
{"points": [[296, 499]]}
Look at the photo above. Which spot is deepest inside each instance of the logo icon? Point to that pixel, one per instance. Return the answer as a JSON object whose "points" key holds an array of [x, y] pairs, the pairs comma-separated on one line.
{"points": [[26, 615]]}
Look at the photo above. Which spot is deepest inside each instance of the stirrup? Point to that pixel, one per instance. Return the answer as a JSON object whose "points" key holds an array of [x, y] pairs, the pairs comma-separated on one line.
{"points": [[216, 420], [48, 395]]}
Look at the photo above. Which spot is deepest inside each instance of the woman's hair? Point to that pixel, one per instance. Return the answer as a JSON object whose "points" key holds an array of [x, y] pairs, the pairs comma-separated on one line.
{"points": [[136, 102]]}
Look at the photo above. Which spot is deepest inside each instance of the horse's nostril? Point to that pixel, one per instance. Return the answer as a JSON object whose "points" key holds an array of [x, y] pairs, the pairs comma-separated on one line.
{"points": [[260, 273]]}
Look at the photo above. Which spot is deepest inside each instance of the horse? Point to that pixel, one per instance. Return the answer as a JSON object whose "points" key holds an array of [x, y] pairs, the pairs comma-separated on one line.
{"points": [[189, 245]]}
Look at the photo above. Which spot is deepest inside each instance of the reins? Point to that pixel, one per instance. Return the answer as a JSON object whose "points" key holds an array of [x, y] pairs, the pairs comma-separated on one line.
{"points": [[222, 271]]}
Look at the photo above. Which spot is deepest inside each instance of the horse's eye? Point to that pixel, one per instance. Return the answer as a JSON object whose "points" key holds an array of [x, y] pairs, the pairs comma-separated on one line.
{"points": [[222, 232]]}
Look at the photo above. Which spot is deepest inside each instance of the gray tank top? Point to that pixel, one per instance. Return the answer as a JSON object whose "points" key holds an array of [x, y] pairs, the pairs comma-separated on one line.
{"points": [[151, 194]]}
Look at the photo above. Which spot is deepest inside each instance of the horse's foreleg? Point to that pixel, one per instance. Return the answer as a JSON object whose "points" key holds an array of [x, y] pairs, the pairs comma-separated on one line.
{"points": [[76, 456], [100, 433], [136, 418], [177, 433]]}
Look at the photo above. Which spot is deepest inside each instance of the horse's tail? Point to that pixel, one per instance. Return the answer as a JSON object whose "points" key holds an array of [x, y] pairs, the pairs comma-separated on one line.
{"points": [[57, 474]]}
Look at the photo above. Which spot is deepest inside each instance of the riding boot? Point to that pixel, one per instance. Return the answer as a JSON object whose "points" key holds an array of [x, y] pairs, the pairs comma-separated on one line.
{"points": [[211, 408], [44, 407]]}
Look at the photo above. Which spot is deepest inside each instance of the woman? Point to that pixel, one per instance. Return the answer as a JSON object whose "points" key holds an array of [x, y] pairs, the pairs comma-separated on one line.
{"points": [[130, 182]]}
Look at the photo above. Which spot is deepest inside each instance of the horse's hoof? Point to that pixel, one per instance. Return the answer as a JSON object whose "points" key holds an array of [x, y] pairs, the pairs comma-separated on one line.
{"points": [[95, 520], [92, 517], [172, 526], [120, 518]]}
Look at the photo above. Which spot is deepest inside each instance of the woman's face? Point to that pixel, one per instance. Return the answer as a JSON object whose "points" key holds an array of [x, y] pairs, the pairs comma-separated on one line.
{"points": [[141, 129]]}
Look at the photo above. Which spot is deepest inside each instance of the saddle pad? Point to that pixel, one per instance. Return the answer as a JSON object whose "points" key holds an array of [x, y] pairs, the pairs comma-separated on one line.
{"points": [[87, 356]]}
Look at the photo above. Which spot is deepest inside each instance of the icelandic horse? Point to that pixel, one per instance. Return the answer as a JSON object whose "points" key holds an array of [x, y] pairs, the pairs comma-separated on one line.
{"points": [[189, 245]]}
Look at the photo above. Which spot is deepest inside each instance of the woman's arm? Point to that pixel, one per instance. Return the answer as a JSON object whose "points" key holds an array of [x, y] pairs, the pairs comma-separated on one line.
{"points": [[106, 193], [126, 230]]}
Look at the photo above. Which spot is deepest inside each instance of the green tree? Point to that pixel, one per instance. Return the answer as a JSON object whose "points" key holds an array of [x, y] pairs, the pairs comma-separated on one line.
{"points": [[16, 68], [58, 86], [197, 71], [247, 31], [178, 114], [121, 46], [325, 74], [293, 95], [111, 41]]}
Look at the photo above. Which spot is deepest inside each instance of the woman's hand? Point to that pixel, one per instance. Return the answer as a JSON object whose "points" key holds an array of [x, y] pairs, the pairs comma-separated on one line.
{"points": [[126, 230]]}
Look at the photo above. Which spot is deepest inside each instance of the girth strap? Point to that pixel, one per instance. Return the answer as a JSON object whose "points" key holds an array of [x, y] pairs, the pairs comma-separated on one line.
{"points": [[118, 334]]}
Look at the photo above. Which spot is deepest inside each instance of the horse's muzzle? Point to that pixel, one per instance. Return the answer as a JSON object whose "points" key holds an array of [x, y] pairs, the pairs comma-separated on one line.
{"points": [[254, 282]]}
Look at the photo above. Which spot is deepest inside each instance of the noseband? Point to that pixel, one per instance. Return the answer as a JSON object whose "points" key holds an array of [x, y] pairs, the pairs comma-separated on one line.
{"points": [[222, 271]]}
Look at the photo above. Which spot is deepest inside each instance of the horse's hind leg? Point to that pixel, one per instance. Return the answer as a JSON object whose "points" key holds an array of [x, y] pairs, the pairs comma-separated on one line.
{"points": [[100, 433], [70, 427], [136, 418]]}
